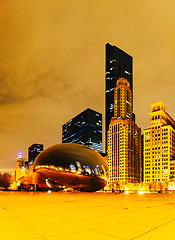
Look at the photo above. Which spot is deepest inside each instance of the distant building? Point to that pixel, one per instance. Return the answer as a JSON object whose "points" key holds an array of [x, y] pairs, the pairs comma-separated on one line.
{"points": [[118, 64], [20, 161], [20, 167], [33, 151], [124, 139], [159, 146], [142, 149], [85, 129]]}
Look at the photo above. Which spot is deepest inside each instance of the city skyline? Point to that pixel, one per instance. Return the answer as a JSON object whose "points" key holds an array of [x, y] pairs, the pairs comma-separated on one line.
{"points": [[57, 55]]}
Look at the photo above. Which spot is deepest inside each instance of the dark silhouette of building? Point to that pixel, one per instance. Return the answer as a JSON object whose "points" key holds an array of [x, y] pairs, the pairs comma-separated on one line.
{"points": [[118, 64], [33, 151], [85, 129]]}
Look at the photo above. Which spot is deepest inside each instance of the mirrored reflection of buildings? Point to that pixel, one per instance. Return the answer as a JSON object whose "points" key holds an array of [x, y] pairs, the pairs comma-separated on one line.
{"points": [[85, 129], [124, 139], [118, 64], [159, 146]]}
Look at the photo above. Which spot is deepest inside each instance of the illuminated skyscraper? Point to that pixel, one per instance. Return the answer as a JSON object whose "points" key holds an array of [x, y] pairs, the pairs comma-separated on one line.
{"points": [[20, 161], [159, 146], [20, 170], [85, 128], [124, 138], [118, 64]]}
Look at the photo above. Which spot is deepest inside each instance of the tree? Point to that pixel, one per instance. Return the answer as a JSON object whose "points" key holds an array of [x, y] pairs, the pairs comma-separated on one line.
{"points": [[0, 180], [5, 180]]}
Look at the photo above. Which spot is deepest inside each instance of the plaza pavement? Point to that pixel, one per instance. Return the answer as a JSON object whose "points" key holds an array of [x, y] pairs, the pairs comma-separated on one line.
{"points": [[98, 216]]}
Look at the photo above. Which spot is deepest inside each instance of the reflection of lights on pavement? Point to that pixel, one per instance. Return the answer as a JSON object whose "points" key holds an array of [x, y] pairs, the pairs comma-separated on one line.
{"points": [[140, 192], [126, 190], [49, 191]]}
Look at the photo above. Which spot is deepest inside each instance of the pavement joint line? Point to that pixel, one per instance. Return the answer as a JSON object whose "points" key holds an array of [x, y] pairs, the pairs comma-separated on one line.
{"points": [[109, 235], [72, 232], [152, 229], [23, 222], [165, 210]]}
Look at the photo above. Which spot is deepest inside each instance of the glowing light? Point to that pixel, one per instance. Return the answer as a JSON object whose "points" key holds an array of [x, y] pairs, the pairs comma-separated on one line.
{"points": [[127, 72], [140, 192], [48, 183], [19, 155]]}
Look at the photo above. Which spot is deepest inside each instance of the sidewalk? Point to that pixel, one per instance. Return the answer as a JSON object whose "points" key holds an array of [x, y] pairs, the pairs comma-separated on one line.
{"points": [[83, 216]]}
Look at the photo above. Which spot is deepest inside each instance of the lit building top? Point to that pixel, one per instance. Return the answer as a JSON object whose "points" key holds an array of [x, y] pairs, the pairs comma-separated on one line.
{"points": [[158, 106], [123, 99], [159, 115], [20, 161]]}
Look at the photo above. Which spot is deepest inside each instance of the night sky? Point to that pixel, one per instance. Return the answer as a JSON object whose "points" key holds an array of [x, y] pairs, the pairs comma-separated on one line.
{"points": [[52, 63]]}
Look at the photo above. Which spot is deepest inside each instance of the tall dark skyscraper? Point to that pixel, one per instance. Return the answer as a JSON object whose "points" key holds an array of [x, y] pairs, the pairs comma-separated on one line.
{"points": [[33, 151], [118, 64], [85, 128]]}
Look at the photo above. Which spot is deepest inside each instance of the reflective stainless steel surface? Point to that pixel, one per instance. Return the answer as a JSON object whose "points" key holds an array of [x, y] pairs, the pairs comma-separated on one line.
{"points": [[70, 165]]}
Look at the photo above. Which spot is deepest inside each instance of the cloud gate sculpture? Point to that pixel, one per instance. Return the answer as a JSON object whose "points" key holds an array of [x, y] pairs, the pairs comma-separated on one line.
{"points": [[70, 165]]}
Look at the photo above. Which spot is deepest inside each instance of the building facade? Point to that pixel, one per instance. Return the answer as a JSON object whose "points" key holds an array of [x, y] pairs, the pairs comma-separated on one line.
{"points": [[124, 138], [33, 151], [85, 129], [118, 64], [159, 146], [20, 167]]}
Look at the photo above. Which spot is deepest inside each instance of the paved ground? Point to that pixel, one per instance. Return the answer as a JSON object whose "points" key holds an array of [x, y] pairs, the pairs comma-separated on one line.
{"points": [[99, 216]]}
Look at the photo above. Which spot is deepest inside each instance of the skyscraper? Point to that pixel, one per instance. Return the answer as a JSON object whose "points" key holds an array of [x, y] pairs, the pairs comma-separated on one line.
{"points": [[33, 151], [124, 138], [85, 128], [159, 146], [20, 170], [118, 64]]}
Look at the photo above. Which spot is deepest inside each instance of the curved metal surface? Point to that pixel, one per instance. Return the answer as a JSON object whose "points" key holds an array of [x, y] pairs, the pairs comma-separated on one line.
{"points": [[71, 165]]}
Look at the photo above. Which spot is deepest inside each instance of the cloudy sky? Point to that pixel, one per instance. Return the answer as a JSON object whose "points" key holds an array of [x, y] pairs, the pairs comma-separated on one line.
{"points": [[52, 63]]}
